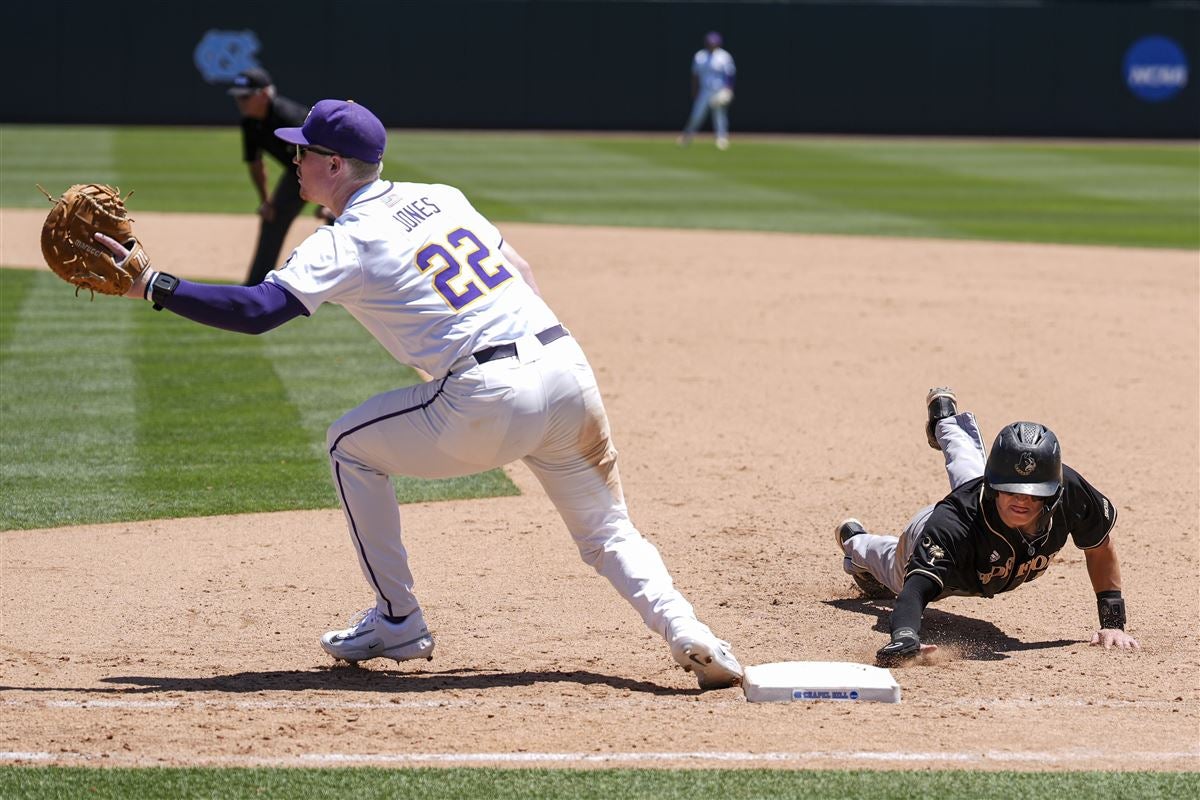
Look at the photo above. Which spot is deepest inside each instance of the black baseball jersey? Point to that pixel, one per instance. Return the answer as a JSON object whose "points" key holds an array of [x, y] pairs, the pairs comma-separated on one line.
{"points": [[966, 549], [259, 134]]}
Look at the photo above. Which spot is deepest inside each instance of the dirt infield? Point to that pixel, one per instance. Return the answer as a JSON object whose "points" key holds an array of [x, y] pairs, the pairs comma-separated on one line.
{"points": [[761, 387]]}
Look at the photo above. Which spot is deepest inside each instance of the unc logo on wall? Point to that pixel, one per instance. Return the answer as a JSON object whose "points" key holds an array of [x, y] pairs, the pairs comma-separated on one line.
{"points": [[1155, 68], [221, 55]]}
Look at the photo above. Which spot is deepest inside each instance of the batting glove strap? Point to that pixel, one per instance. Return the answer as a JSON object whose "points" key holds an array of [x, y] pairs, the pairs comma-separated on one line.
{"points": [[149, 284], [1111, 606], [904, 645]]}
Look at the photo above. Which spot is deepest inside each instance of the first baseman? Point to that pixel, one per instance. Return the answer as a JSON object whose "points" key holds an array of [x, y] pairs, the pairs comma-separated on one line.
{"points": [[440, 289], [1007, 514], [713, 73]]}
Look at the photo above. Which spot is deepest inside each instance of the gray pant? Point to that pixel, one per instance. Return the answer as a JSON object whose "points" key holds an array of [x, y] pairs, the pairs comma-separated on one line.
{"points": [[886, 557]]}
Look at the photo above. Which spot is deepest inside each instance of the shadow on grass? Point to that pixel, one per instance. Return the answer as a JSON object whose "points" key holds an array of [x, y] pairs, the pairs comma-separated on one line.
{"points": [[975, 639]]}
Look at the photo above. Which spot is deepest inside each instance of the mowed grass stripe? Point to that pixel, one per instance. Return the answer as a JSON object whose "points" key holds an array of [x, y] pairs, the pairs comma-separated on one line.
{"points": [[112, 411], [55, 157], [803, 192], [216, 430], [14, 286], [200, 168], [67, 442], [995, 191], [469, 783], [987, 192], [1103, 172], [168, 169], [1106, 193], [639, 182], [316, 357]]}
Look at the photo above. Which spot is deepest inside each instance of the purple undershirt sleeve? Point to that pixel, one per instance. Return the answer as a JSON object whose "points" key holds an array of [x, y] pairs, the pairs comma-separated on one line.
{"points": [[243, 309]]}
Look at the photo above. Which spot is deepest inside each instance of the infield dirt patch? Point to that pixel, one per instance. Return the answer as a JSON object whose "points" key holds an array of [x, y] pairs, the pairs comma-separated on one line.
{"points": [[761, 387]]}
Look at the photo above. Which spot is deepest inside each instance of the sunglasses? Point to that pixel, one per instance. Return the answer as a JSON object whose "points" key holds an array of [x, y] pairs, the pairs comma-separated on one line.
{"points": [[301, 149]]}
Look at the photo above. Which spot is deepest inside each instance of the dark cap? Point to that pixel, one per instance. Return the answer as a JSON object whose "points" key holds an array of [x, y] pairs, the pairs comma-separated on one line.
{"points": [[342, 126], [713, 39], [250, 81]]}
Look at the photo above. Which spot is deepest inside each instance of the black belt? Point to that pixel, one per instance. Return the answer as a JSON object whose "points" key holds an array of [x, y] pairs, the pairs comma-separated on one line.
{"points": [[509, 350]]}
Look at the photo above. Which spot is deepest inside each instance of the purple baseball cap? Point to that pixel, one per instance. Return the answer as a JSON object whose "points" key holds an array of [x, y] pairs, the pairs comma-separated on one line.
{"points": [[342, 126]]}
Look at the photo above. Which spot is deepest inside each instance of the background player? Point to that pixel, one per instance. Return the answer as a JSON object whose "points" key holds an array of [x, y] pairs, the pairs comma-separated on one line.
{"points": [[712, 90], [263, 110], [997, 529], [438, 286]]}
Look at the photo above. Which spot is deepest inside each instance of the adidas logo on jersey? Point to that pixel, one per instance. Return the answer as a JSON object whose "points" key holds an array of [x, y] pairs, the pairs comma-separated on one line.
{"points": [[994, 557]]}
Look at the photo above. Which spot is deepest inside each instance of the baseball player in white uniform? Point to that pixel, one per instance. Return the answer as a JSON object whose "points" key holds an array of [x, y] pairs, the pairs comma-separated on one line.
{"points": [[438, 286], [712, 87]]}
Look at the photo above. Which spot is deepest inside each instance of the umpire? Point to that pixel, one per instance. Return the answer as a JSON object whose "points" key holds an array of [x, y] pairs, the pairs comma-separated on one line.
{"points": [[263, 110]]}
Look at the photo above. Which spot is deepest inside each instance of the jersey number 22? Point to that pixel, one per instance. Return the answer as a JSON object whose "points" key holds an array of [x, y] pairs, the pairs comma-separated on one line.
{"points": [[457, 286]]}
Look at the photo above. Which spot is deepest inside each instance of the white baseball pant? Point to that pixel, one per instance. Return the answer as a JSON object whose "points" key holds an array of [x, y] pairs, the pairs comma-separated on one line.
{"points": [[700, 108], [886, 557], [542, 407]]}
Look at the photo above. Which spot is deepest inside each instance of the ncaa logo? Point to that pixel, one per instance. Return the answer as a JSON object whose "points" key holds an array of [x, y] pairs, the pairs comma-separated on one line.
{"points": [[1155, 68], [221, 55]]}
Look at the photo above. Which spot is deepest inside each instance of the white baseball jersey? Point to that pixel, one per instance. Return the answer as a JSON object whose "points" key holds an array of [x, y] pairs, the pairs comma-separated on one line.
{"points": [[421, 269], [712, 69]]}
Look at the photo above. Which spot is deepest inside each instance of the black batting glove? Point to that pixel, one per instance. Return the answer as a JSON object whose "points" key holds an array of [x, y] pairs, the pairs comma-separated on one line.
{"points": [[900, 650]]}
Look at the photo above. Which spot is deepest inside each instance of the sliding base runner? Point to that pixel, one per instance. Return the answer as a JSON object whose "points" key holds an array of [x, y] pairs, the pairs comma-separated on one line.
{"points": [[787, 681]]}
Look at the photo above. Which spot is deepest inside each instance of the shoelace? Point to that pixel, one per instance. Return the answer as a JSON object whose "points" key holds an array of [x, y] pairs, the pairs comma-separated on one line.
{"points": [[364, 617]]}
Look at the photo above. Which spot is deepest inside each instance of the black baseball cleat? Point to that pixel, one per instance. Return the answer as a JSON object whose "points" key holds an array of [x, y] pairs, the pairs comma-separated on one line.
{"points": [[941, 404], [846, 530], [871, 588], [866, 582]]}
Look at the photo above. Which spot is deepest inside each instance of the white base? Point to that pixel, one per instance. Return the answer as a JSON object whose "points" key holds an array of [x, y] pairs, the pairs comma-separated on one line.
{"points": [[785, 681]]}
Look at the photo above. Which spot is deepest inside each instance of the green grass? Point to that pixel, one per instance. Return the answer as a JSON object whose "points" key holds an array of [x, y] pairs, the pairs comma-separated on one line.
{"points": [[50, 782], [113, 412], [1135, 194]]}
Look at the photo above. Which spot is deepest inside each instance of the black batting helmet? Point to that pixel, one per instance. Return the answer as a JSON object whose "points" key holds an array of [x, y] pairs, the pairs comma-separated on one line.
{"points": [[1026, 459]]}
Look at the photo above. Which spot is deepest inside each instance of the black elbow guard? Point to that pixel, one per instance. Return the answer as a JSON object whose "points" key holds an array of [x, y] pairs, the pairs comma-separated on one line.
{"points": [[1112, 609]]}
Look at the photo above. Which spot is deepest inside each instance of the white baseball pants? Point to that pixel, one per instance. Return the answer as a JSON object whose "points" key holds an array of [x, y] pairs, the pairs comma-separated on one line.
{"points": [[541, 406], [886, 557], [701, 108]]}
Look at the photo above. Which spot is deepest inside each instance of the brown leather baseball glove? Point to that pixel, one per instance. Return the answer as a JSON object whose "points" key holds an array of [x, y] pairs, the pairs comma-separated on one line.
{"points": [[71, 250]]}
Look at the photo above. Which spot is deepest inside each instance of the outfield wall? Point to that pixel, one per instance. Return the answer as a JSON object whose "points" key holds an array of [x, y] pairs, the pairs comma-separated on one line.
{"points": [[1112, 69]]}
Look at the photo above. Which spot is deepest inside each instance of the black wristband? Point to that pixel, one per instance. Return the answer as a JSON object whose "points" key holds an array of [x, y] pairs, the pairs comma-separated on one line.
{"points": [[161, 289], [1111, 606]]}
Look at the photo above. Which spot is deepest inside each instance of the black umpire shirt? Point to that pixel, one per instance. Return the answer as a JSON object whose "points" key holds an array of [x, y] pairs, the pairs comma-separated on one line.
{"points": [[966, 549], [259, 134]]}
